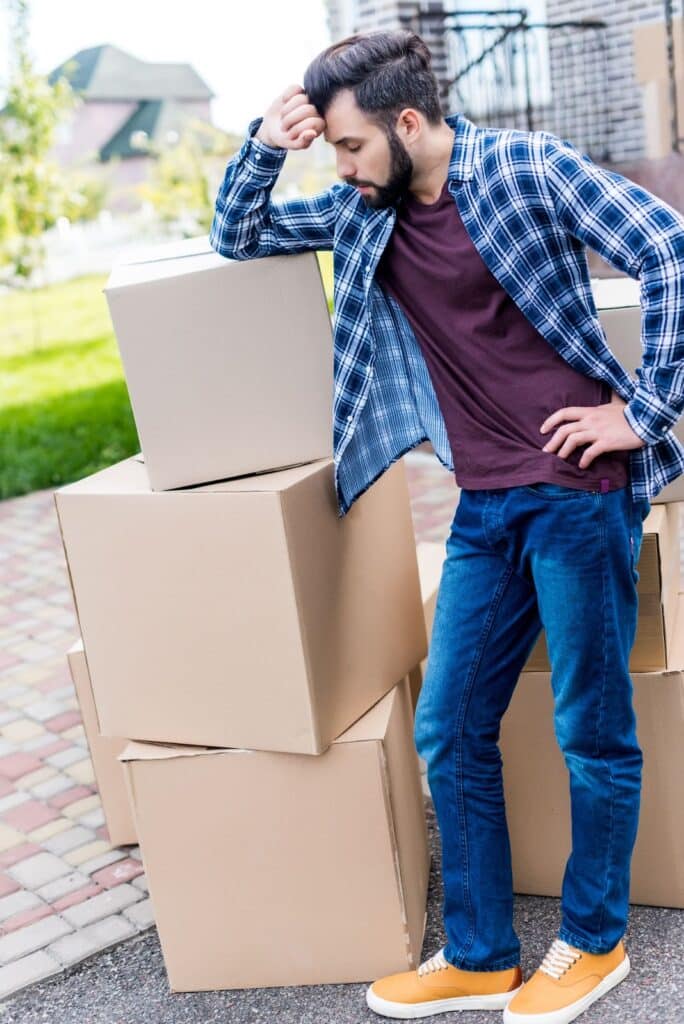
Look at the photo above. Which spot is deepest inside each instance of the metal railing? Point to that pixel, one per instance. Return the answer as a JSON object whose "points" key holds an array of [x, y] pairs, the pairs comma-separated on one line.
{"points": [[512, 72]]}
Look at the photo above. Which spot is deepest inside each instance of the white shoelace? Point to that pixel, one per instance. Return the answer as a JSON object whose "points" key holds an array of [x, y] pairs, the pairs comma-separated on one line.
{"points": [[559, 959], [435, 963]]}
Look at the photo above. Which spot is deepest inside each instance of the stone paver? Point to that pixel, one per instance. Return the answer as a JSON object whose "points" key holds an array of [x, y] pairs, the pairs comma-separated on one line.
{"points": [[55, 857]]}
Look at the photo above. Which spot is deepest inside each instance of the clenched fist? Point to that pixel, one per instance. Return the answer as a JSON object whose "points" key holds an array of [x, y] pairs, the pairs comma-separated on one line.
{"points": [[291, 122]]}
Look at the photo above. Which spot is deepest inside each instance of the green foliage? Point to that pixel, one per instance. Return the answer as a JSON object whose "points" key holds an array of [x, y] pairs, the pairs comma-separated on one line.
{"points": [[31, 186], [178, 187], [65, 409]]}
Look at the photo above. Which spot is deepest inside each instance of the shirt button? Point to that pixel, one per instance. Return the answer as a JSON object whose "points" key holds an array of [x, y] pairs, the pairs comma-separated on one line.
{"points": [[257, 156], [350, 417]]}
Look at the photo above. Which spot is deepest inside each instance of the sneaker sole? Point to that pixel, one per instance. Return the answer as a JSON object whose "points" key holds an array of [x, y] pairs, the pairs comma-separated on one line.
{"points": [[411, 1011], [569, 1013]]}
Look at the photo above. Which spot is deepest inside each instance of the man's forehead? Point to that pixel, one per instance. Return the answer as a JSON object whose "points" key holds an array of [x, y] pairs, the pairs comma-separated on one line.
{"points": [[345, 121]]}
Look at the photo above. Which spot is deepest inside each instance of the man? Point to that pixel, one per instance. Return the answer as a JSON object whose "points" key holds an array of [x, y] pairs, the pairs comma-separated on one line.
{"points": [[463, 314]]}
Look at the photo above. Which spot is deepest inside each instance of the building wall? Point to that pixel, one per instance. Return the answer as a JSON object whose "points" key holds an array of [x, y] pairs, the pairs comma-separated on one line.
{"points": [[624, 101]]}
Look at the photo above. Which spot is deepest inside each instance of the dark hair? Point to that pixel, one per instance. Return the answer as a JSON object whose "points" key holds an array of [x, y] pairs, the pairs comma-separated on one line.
{"points": [[386, 71]]}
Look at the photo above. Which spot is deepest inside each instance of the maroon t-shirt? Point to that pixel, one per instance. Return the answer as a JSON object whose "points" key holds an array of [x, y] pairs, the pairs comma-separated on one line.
{"points": [[495, 377]]}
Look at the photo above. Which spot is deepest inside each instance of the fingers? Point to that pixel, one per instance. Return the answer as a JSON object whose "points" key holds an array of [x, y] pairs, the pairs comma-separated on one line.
{"points": [[313, 124], [295, 114], [289, 93]]}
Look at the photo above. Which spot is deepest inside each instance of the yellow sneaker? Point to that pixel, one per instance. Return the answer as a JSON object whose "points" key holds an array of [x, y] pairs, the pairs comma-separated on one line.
{"points": [[436, 986], [567, 982]]}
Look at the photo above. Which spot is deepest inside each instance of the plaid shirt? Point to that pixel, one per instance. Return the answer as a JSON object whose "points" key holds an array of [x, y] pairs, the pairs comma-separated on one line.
{"points": [[530, 203]]}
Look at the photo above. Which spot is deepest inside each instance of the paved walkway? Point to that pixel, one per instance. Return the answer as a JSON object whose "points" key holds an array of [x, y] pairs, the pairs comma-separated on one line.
{"points": [[65, 892]]}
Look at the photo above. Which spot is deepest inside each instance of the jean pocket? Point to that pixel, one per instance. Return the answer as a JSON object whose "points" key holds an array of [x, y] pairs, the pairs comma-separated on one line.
{"points": [[555, 491]]}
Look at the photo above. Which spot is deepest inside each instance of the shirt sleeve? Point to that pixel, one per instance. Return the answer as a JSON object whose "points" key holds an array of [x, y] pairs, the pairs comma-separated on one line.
{"points": [[247, 223], [643, 237]]}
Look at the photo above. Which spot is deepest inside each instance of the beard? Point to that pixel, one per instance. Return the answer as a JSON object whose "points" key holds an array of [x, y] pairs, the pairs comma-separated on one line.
{"points": [[400, 175]]}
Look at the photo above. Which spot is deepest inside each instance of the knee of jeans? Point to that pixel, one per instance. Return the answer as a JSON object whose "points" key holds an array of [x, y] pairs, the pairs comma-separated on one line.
{"points": [[429, 734]]}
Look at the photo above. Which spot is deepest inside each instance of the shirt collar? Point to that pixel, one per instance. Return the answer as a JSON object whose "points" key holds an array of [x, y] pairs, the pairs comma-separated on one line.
{"points": [[463, 151]]}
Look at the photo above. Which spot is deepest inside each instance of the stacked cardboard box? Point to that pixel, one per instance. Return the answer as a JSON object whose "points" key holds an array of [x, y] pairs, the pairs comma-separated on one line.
{"points": [[253, 645]]}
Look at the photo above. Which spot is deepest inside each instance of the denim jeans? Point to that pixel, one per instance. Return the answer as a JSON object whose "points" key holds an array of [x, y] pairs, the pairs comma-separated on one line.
{"points": [[517, 558]]}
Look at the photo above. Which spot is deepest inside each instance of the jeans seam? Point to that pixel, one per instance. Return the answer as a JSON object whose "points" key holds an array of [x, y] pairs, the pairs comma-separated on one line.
{"points": [[457, 754], [601, 715]]}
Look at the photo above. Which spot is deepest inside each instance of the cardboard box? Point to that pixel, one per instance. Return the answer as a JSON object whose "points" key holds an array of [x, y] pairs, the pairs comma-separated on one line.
{"points": [[280, 869], [243, 613], [430, 561], [537, 787], [229, 364], [104, 753], [658, 587], [618, 305]]}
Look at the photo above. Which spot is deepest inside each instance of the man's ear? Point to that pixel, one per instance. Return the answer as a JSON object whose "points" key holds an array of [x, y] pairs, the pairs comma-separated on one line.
{"points": [[408, 124]]}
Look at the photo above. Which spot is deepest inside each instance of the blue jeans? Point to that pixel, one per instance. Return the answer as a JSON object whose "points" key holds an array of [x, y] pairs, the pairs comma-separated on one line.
{"points": [[517, 558]]}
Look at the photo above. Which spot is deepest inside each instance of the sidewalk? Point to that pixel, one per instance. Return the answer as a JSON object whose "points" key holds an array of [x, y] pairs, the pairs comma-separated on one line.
{"points": [[65, 893]]}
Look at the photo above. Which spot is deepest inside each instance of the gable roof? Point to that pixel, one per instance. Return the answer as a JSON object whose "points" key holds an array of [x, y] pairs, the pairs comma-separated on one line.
{"points": [[109, 73], [155, 117]]}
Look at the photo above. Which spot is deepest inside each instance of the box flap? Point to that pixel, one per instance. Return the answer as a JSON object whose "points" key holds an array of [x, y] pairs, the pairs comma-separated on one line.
{"points": [[130, 477], [372, 725], [138, 751], [76, 647]]}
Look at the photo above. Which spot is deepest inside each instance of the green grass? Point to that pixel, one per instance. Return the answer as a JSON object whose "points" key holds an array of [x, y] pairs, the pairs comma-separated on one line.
{"points": [[65, 411]]}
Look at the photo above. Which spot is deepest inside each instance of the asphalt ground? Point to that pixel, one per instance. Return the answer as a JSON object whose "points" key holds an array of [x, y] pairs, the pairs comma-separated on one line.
{"points": [[127, 984]]}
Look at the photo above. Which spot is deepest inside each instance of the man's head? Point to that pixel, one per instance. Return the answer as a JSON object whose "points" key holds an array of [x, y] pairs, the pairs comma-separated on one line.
{"points": [[379, 98]]}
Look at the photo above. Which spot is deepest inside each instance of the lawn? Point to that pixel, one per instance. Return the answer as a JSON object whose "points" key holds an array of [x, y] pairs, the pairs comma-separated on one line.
{"points": [[64, 411]]}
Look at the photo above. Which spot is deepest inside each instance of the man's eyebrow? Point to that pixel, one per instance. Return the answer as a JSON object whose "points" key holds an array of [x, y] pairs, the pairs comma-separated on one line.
{"points": [[346, 138]]}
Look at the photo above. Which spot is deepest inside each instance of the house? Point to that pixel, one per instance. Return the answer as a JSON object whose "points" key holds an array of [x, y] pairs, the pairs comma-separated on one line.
{"points": [[127, 104]]}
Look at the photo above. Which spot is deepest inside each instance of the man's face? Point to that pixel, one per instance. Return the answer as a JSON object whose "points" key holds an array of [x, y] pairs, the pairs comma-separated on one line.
{"points": [[372, 160]]}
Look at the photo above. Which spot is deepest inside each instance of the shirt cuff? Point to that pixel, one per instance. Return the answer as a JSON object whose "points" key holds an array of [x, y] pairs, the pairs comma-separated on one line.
{"points": [[261, 160], [648, 416]]}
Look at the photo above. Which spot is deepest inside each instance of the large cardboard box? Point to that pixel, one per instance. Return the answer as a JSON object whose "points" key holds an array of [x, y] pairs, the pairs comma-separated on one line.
{"points": [[537, 787], [104, 752], [280, 869], [229, 364], [658, 587], [618, 305], [242, 613]]}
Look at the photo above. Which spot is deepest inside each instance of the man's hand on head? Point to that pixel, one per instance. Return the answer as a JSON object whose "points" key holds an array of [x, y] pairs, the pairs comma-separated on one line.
{"points": [[291, 122]]}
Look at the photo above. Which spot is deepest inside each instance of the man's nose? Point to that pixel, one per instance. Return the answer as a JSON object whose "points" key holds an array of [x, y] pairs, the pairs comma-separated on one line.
{"points": [[345, 169]]}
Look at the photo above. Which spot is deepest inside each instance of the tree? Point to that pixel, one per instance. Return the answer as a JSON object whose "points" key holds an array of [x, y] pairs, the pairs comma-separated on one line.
{"points": [[178, 186], [32, 187]]}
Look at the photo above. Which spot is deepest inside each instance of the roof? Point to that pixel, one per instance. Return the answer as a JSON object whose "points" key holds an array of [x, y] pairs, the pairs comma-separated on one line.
{"points": [[109, 73]]}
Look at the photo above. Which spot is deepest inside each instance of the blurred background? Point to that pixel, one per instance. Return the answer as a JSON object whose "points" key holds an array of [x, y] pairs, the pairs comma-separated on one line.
{"points": [[117, 121]]}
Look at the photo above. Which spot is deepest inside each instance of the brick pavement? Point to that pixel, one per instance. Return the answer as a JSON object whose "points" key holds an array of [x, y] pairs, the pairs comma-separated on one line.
{"points": [[65, 891]]}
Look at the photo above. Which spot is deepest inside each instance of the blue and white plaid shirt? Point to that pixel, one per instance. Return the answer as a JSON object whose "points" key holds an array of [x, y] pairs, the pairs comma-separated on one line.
{"points": [[530, 203]]}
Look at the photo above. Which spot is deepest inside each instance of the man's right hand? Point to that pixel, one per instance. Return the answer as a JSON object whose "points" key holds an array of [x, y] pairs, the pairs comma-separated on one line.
{"points": [[291, 122]]}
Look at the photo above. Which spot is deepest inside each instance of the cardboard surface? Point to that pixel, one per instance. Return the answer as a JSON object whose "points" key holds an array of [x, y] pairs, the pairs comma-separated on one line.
{"points": [[618, 304], [537, 787], [280, 869], [104, 752], [245, 613], [658, 586], [229, 364]]}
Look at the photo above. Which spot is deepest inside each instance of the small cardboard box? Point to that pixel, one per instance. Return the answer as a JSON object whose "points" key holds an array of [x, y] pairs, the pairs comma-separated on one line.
{"points": [[229, 364], [104, 752], [618, 305], [537, 787], [280, 869], [657, 588], [243, 613]]}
